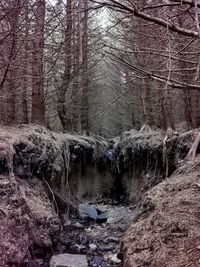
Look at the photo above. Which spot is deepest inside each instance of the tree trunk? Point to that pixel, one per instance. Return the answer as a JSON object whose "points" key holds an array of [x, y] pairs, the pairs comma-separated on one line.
{"points": [[85, 80], [21, 106], [77, 57], [38, 104], [61, 105], [14, 83]]}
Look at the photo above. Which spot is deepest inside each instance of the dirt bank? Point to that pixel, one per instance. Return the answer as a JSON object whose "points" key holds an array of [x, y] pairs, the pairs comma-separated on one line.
{"points": [[144, 159], [36, 183], [167, 230], [27, 220]]}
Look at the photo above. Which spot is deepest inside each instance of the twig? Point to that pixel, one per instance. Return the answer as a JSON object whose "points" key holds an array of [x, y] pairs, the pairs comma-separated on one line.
{"points": [[52, 193]]}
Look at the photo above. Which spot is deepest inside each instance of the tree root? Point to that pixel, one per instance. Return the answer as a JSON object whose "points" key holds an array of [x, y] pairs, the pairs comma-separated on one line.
{"points": [[168, 135], [145, 128], [193, 150]]}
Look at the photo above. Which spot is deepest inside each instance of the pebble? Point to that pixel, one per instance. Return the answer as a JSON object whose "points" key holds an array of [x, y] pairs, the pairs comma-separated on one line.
{"points": [[93, 246], [114, 259], [78, 225]]}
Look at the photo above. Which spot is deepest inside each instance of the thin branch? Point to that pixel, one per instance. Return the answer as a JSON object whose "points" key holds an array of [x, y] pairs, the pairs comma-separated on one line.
{"points": [[137, 13]]}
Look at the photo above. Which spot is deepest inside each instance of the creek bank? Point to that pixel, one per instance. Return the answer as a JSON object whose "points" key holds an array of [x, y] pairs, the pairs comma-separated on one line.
{"points": [[166, 231], [44, 175], [144, 159], [27, 221], [35, 187]]}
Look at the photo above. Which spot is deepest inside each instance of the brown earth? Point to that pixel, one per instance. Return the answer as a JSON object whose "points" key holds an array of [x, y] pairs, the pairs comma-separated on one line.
{"points": [[27, 218], [167, 230], [34, 164]]}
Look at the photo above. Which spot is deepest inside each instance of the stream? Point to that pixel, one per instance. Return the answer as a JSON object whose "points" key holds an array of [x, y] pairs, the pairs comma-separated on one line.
{"points": [[96, 238]]}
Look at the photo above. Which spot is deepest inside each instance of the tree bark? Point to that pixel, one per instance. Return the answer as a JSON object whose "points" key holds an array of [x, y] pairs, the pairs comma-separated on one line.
{"points": [[38, 103], [61, 105], [14, 83], [85, 80]]}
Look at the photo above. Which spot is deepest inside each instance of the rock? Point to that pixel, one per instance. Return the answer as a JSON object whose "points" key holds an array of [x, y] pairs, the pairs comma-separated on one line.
{"points": [[93, 246], [97, 261], [67, 222], [102, 217], [106, 247], [68, 260], [114, 259], [86, 210], [78, 225]]}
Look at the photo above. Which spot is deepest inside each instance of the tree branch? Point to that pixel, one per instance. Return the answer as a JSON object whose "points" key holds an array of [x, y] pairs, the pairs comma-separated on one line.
{"points": [[137, 13], [171, 82]]}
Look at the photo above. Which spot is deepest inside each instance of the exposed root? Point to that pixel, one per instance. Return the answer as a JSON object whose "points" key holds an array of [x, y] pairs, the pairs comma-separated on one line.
{"points": [[145, 128], [168, 136], [165, 158], [192, 153], [52, 194]]}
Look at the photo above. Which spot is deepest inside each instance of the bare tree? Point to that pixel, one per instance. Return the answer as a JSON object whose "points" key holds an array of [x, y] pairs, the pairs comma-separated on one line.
{"points": [[38, 105]]}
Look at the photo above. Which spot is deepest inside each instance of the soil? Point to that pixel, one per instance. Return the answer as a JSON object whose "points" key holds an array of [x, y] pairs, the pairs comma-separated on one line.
{"points": [[167, 229], [27, 220]]}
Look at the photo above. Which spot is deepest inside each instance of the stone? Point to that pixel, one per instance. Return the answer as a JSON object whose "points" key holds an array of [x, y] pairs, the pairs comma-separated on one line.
{"points": [[102, 217], [114, 259], [68, 260], [78, 225], [67, 223], [93, 246], [86, 210]]}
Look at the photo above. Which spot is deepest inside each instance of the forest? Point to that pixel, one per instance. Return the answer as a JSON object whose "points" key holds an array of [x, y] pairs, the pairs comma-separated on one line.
{"points": [[100, 133]]}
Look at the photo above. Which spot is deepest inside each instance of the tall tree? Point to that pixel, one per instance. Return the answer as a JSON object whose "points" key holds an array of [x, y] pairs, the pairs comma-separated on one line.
{"points": [[66, 79], [85, 78], [38, 104]]}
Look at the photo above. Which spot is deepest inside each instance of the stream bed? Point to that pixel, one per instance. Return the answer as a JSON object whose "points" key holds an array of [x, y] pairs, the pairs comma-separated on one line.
{"points": [[98, 239]]}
